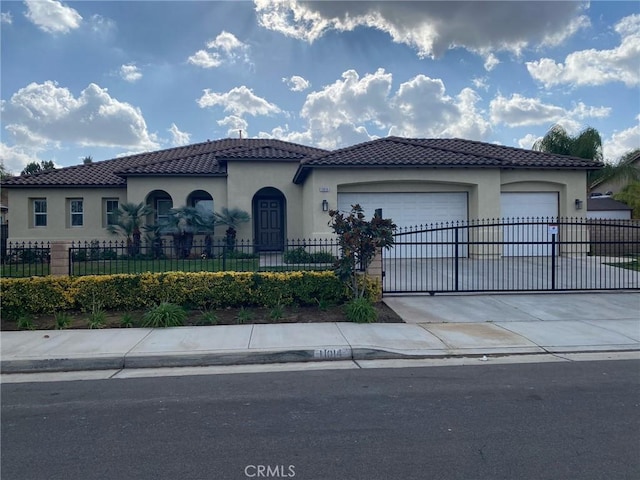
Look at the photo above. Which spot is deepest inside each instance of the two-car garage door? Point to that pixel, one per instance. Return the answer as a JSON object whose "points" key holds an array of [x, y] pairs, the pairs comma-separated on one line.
{"points": [[410, 210]]}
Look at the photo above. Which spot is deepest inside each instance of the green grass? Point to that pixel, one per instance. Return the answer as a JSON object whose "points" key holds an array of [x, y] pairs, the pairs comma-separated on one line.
{"points": [[632, 265], [21, 270]]}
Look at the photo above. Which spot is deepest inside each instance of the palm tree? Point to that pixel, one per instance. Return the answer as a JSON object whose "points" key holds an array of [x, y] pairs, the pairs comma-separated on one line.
{"points": [[127, 220], [625, 169], [231, 217], [587, 144], [183, 223]]}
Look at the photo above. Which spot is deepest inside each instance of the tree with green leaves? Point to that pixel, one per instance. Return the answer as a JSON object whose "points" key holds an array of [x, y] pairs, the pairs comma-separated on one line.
{"points": [[231, 218], [586, 144], [128, 220], [35, 167], [4, 173], [359, 241]]}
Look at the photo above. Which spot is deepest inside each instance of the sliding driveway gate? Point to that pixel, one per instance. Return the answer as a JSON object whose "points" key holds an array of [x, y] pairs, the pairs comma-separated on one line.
{"points": [[529, 254]]}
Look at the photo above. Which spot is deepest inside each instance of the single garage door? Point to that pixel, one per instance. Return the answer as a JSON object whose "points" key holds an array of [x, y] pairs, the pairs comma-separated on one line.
{"points": [[411, 210], [532, 206]]}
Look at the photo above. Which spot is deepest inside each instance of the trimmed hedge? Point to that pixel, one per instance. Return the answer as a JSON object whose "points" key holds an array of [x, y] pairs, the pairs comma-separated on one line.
{"points": [[208, 290]]}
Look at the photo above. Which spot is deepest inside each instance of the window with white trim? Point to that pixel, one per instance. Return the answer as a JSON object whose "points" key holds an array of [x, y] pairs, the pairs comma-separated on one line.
{"points": [[110, 206], [163, 205], [39, 212], [76, 209]]}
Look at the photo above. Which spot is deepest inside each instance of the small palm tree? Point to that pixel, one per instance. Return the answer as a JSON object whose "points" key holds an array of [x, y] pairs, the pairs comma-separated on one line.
{"points": [[587, 144], [183, 223], [231, 218], [128, 218]]}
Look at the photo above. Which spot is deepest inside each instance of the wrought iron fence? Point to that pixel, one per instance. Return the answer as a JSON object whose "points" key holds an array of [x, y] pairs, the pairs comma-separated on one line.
{"points": [[522, 254], [25, 259], [111, 257]]}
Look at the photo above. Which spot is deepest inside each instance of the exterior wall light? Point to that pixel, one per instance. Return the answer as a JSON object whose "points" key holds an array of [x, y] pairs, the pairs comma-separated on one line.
{"points": [[578, 204], [325, 206]]}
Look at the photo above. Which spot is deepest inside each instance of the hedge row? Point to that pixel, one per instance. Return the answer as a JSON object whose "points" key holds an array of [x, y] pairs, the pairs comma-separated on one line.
{"points": [[190, 289]]}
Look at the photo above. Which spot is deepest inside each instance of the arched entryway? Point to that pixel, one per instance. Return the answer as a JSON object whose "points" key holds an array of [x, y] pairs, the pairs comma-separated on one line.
{"points": [[269, 207]]}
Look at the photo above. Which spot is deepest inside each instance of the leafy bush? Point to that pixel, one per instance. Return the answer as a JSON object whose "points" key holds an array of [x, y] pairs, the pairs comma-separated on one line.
{"points": [[199, 290], [244, 316], [300, 255], [164, 315], [360, 310]]}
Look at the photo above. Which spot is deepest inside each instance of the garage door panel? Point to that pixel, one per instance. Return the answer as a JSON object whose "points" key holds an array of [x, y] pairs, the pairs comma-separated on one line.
{"points": [[411, 210], [532, 206]]}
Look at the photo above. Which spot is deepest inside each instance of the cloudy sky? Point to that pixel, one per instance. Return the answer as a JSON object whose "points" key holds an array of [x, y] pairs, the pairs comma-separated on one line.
{"points": [[110, 78]]}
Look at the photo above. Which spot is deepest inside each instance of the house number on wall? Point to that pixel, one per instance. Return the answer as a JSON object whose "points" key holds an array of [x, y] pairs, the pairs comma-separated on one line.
{"points": [[330, 353]]}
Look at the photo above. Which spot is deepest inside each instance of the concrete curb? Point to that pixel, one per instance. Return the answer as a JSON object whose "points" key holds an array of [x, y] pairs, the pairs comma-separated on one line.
{"points": [[264, 357]]}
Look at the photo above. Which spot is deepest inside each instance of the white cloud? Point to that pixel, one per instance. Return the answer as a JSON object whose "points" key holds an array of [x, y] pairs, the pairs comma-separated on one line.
{"points": [[596, 67], [431, 28], [239, 101], [130, 73], [491, 62], [480, 83], [355, 109], [621, 142], [177, 137], [225, 48], [297, 83], [5, 17], [520, 111], [46, 115], [205, 59], [52, 16], [102, 26], [528, 140], [15, 158], [235, 125]]}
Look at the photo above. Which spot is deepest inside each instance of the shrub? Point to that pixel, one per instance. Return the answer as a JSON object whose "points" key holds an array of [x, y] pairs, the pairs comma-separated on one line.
{"points": [[277, 312], [209, 318], [200, 290], [63, 320], [360, 310], [300, 255], [98, 318], [244, 316], [164, 315], [25, 322], [127, 320]]}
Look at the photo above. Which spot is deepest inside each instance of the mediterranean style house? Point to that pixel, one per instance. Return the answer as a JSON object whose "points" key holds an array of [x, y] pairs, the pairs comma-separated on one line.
{"points": [[288, 189]]}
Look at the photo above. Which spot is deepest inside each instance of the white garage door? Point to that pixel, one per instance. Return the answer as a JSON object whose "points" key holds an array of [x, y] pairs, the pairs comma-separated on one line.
{"points": [[411, 210], [528, 206]]}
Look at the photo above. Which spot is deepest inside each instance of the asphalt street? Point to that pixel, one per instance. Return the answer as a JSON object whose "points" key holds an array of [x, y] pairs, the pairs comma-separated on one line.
{"points": [[572, 420]]}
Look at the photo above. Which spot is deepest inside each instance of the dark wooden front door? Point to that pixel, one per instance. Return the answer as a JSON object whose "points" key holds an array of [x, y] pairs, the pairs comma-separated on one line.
{"points": [[269, 228]]}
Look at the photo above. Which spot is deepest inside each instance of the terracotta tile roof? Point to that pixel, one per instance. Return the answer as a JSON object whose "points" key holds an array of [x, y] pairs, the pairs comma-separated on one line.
{"points": [[206, 158], [438, 152]]}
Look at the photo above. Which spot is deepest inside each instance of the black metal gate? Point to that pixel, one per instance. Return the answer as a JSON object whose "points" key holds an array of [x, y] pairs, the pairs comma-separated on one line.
{"points": [[528, 254]]}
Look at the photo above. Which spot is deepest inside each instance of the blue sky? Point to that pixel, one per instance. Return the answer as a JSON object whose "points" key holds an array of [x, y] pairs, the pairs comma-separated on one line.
{"points": [[112, 78]]}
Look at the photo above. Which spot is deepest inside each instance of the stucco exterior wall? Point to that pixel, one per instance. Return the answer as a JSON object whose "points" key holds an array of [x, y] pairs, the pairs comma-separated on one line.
{"points": [[21, 223], [570, 184], [246, 178], [178, 188], [481, 185]]}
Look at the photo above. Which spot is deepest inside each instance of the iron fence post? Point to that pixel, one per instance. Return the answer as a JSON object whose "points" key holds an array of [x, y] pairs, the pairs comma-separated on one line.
{"points": [[457, 257], [553, 261]]}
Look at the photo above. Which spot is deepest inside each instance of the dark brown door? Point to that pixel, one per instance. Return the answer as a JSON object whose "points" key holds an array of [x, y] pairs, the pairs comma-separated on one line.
{"points": [[269, 229]]}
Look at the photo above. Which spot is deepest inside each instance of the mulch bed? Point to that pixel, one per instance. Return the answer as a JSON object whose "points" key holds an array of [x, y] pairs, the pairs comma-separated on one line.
{"points": [[230, 316]]}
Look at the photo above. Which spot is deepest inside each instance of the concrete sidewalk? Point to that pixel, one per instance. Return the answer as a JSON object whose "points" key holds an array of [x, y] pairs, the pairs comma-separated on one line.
{"points": [[441, 326]]}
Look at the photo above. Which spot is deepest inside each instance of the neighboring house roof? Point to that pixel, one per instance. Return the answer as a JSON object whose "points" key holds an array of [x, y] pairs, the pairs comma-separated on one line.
{"points": [[206, 158], [210, 158], [439, 152], [599, 204], [634, 160]]}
